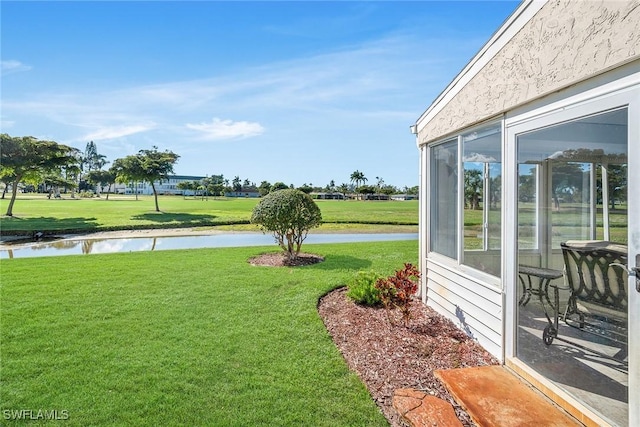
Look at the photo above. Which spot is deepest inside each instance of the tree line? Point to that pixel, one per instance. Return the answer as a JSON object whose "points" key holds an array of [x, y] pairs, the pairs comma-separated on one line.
{"points": [[48, 166], [32, 161], [218, 185]]}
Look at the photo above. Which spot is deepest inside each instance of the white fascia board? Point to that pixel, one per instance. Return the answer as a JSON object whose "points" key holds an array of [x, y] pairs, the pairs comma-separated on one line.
{"points": [[514, 23]]}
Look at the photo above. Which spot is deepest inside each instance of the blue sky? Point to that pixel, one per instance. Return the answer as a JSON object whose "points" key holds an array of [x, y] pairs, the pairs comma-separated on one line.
{"points": [[298, 92]]}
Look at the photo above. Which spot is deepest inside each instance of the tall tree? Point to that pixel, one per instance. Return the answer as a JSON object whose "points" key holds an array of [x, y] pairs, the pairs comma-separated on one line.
{"points": [[89, 161], [306, 188], [127, 171], [6, 179], [100, 178], [214, 184], [278, 186], [617, 180], [566, 179], [358, 178], [473, 184], [187, 186], [148, 166], [237, 184], [264, 188], [92, 160], [71, 174], [53, 181], [27, 157]]}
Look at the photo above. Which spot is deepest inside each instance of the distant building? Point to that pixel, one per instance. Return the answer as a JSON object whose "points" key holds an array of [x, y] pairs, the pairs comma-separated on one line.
{"points": [[248, 194], [404, 197], [327, 196], [167, 186], [376, 196]]}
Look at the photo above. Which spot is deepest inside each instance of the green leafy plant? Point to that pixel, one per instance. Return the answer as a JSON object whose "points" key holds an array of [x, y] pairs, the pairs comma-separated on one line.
{"points": [[289, 215], [362, 288], [397, 291]]}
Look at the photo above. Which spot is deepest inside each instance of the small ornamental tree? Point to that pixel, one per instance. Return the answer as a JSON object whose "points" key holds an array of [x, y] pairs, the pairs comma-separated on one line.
{"points": [[289, 215]]}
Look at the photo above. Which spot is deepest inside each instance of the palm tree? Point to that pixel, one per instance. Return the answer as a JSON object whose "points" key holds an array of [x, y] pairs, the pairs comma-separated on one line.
{"points": [[358, 178]]}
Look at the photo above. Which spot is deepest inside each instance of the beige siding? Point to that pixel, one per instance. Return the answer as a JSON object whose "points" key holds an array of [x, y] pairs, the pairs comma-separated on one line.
{"points": [[565, 42], [471, 305]]}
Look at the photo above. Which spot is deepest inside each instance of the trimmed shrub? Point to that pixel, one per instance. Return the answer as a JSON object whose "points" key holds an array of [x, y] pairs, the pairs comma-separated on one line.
{"points": [[289, 215], [362, 288]]}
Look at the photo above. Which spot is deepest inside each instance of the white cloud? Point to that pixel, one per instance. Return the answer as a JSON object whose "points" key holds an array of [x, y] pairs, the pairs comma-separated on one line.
{"points": [[5, 124], [219, 129], [118, 131], [12, 66], [479, 158], [374, 82]]}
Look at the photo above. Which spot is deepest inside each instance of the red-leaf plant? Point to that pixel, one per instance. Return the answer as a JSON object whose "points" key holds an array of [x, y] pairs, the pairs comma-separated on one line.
{"points": [[398, 290]]}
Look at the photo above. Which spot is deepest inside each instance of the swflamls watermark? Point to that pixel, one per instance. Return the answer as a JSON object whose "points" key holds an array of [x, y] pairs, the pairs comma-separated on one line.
{"points": [[35, 414]]}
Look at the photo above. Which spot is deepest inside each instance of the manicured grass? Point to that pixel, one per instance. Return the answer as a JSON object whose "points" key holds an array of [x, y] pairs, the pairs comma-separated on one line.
{"points": [[565, 223], [191, 337], [37, 213]]}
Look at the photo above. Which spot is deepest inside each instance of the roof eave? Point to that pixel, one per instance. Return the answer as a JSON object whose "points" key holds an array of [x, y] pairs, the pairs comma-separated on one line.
{"points": [[514, 23]]}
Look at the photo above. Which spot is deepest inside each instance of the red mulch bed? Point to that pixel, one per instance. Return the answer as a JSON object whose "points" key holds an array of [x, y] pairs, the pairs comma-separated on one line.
{"points": [[278, 259], [388, 357]]}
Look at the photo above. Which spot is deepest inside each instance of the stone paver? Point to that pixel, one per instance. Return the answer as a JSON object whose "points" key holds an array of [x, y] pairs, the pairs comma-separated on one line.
{"points": [[419, 409]]}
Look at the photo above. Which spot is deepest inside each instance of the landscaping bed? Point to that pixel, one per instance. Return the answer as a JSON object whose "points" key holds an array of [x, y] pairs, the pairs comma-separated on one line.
{"points": [[387, 357]]}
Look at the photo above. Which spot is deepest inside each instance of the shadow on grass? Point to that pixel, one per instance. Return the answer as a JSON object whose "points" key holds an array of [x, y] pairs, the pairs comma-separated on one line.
{"points": [[342, 262], [183, 218], [17, 225]]}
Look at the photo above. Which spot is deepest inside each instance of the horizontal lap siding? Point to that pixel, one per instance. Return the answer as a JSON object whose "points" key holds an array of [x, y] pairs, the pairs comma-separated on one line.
{"points": [[473, 306]]}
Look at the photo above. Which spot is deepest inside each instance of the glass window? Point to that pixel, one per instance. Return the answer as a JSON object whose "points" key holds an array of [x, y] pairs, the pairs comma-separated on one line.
{"points": [[482, 156], [560, 182], [444, 199]]}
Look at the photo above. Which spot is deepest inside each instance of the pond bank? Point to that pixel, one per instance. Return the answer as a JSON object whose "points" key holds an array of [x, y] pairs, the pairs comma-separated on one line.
{"points": [[206, 231], [147, 240]]}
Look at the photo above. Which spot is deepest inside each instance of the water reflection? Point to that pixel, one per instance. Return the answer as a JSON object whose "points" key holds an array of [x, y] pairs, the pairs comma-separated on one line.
{"points": [[78, 246]]}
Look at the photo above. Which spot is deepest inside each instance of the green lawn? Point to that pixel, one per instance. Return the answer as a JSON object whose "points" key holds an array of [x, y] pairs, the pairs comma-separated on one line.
{"points": [[33, 213], [567, 221], [191, 337]]}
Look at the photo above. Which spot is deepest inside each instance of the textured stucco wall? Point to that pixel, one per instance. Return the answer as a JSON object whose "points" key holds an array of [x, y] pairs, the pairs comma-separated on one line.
{"points": [[564, 43]]}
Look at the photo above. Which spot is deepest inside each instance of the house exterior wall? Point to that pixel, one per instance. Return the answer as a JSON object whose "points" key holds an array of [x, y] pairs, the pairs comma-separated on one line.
{"points": [[472, 305], [548, 59], [564, 43]]}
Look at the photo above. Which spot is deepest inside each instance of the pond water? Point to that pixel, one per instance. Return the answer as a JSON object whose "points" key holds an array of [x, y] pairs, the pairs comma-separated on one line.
{"points": [[79, 246]]}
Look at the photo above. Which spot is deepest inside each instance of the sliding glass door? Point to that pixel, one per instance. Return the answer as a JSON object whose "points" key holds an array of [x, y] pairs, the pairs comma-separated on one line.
{"points": [[573, 283]]}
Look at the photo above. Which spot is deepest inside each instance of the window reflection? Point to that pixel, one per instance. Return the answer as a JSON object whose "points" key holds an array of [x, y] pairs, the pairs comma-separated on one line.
{"points": [[572, 192], [482, 157]]}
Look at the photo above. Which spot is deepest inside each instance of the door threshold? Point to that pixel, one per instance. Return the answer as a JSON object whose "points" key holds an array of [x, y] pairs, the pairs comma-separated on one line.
{"points": [[561, 398]]}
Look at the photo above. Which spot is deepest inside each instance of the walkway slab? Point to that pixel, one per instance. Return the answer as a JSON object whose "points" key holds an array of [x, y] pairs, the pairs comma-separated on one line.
{"points": [[495, 397]]}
